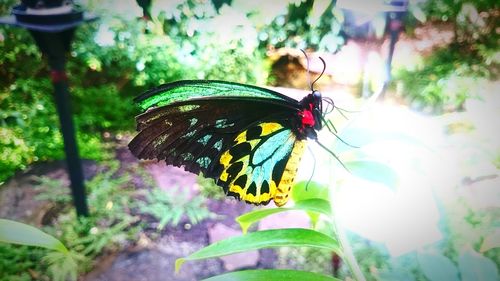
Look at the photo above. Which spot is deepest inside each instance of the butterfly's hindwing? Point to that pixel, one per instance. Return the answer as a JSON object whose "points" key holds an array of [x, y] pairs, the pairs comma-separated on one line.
{"points": [[261, 163]]}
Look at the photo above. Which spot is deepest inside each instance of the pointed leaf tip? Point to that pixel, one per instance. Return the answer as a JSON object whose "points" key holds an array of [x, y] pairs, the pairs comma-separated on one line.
{"points": [[178, 264]]}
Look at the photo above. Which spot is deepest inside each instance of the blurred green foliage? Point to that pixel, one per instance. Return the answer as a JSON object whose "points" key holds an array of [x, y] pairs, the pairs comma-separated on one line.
{"points": [[122, 55], [24, 257], [446, 79], [454, 73]]}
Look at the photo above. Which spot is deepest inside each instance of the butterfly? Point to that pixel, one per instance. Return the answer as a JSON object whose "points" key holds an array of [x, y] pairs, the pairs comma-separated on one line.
{"points": [[248, 139]]}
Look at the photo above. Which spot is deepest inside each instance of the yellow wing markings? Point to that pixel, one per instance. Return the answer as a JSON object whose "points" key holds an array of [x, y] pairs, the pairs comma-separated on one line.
{"points": [[249, 197], [269, 128], [226, 158], [241, 138], [288, 177]]}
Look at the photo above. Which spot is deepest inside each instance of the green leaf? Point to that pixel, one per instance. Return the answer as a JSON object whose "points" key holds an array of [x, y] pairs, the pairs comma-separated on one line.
{"points": [[19, 233], [295, 237], [475, 267], [246, 220], [318, 206], [437, 267], [268, 274], [491, 241], [313, 190], [373, 171], [304, 190]]}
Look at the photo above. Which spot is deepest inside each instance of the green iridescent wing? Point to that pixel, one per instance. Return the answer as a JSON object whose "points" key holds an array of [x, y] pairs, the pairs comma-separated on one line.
{"points": [[190, 89], [202, 131]]}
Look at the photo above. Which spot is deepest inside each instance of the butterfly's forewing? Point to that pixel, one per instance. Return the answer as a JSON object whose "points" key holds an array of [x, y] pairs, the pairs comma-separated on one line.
{"points": [[190, 89], [245, 143]]}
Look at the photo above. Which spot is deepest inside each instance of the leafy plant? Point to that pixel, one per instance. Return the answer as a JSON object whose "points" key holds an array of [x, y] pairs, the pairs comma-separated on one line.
{"points": [[295, 24], [267, 239], [471, 266], [209, 189], [111, 226], [455, 73], [444, 82], [169, 208], [62, 262], [51, 190]]}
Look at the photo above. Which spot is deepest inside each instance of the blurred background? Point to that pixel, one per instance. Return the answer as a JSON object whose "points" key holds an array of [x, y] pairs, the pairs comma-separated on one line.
{"points": [[419, 77]]}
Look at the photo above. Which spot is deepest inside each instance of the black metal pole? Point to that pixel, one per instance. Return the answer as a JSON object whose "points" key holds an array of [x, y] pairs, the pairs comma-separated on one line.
{"points": [[55, 46], [73, 161]]}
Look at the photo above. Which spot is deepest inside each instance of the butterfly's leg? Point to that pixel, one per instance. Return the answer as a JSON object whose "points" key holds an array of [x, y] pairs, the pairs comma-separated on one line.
{"points": [[342, 113], [329, 125], [333, 154]]}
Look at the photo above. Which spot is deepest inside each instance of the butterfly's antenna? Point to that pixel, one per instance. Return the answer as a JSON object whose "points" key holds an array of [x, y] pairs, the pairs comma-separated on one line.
{"points": [[333, 154], [308, 69], [314, 167], [322, 72]]}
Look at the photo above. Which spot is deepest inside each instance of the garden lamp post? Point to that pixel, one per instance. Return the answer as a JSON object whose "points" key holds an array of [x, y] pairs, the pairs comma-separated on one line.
{"points": [[52, 25], [395, 18], [393, 11]]}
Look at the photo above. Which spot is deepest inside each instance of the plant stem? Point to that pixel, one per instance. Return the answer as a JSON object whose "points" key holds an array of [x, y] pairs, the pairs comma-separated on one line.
{"points": [[339, 230], [340, 233]]}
